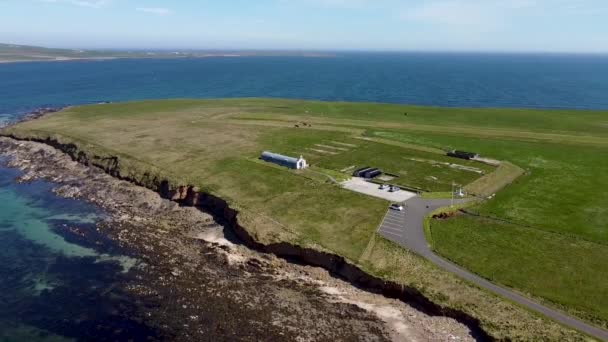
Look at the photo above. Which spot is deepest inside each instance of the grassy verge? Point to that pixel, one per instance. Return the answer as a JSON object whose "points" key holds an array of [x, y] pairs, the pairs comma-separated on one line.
{"points": [[426, 224], [505, 174], [503, 319], [526, 259], [436, 195]]}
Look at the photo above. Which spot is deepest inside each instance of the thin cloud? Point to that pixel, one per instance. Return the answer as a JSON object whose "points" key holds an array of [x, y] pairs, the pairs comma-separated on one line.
{"points": [[82, 3], [454, 13], [347, 4], [492, 13], [91, 4], [154, 10]]}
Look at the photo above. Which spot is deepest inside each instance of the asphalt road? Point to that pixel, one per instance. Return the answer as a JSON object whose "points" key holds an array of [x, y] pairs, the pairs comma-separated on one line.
{"points": [[406, 229]]}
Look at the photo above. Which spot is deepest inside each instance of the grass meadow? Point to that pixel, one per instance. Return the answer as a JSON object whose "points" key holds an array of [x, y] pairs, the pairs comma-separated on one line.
{"points": [[557, 245], [553, 249]]}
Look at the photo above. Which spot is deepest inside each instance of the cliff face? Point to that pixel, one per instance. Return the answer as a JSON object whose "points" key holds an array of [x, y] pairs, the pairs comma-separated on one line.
{"points": [[189, 195]]}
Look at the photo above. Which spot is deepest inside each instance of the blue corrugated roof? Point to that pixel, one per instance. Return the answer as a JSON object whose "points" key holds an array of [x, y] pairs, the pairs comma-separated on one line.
{"points": [[281, 157]]}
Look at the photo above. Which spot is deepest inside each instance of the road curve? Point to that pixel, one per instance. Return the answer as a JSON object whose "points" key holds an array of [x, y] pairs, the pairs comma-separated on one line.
{"points": [[407, 230]]}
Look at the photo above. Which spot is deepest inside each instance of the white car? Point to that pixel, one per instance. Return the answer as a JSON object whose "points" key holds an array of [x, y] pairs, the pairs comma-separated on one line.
{"points": [[384, 186], [397, 207]]}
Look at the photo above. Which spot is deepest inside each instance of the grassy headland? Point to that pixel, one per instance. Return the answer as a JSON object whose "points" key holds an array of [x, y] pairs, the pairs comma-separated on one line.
{"points": [[22, 53], [559, 202]]}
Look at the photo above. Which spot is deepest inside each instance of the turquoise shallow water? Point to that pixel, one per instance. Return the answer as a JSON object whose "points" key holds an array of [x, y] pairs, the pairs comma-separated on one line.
{"points": [[52, 289]]}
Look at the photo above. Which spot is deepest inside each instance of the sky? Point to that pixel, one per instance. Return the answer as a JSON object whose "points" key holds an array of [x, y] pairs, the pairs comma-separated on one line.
{"points": [[576, 26]]}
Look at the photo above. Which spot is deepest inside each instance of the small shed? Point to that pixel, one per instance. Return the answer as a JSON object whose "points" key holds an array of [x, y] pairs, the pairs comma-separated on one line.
{"points": [[463, 154], [279, 159], [361, 171], [373, 173], [367, 172]]}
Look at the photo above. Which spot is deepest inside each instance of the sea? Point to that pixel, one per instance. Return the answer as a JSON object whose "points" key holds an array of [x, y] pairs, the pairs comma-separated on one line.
{"points": [[55, 289]]}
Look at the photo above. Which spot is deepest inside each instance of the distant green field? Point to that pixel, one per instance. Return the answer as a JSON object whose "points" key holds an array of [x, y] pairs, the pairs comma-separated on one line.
{"points": [[572, 125], [559, 204]]}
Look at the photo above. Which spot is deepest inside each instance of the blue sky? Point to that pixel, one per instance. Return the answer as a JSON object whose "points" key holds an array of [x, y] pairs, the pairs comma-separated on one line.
{"points": [[418, 25]]}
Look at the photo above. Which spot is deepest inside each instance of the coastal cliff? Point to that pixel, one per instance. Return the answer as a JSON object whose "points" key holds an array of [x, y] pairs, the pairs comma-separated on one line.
{"points": [[382, 268], [196, 271], [189, 195]]}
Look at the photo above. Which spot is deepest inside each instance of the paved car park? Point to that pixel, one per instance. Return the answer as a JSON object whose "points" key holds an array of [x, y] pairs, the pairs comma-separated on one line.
{"points": [[362, 186], [405, 227], [393, 225]]}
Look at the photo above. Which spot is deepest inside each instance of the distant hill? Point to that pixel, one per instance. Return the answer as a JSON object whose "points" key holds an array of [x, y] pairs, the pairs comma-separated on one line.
{"points": [[24, 53]]}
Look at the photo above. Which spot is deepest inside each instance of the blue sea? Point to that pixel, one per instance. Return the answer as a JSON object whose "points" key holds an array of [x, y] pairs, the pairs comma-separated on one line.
{"points": [[52, 289]]}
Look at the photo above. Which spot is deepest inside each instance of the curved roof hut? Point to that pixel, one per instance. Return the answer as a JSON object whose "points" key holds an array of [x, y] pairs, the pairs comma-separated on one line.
{"points": [[279, 159]]}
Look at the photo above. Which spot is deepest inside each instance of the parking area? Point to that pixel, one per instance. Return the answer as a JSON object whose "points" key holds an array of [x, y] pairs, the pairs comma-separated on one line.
{"points": [[393, 225], [362, 186]]}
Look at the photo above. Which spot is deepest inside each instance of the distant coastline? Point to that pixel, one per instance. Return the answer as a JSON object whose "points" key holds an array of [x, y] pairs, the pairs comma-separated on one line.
{"points": [[57, 59], [75, 59], [20, 53]]}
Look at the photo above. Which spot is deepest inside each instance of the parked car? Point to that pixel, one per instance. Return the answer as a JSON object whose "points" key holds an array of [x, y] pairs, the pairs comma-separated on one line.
{"points": [[384, 186], [397, 207], [394, 189]]}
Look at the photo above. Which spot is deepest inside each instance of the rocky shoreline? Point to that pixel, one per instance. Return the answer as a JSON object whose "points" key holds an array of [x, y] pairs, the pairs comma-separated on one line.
{"points": [[38, 113], [208, 286]]}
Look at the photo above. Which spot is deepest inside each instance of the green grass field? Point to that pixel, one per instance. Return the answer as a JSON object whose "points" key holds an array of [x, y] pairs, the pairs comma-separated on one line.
{"points": [[343, 153], [565, 270], [558, 203], [559, 208], [563, 191]]}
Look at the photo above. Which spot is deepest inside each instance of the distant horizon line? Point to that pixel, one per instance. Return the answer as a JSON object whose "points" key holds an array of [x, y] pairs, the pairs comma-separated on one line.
{"points": [[313, 50]]}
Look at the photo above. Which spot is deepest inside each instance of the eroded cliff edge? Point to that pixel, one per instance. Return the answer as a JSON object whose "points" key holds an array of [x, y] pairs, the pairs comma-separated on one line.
{"points": [[202, 286], [188, 195]]}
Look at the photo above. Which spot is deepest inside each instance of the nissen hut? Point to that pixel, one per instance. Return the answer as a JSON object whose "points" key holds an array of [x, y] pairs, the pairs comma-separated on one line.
{"points": [[290, 162]]}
